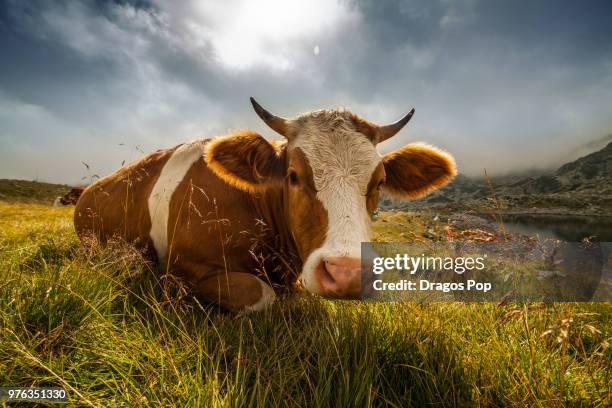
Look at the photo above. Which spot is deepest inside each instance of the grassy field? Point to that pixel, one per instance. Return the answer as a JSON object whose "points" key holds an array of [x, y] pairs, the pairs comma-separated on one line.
{"points": [[101, 324]]}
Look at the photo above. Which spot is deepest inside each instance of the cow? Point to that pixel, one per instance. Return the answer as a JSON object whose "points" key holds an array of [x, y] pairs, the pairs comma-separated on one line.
{"points": [[241, 218], [69, 198]]}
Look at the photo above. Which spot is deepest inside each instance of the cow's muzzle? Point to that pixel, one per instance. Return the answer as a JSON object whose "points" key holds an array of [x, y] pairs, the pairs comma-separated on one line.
{"points": [[339, 277]]}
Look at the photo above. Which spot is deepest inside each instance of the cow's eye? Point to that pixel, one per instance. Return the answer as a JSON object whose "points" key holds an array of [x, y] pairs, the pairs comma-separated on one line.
{"points": [[381, 183], [293, 177]]}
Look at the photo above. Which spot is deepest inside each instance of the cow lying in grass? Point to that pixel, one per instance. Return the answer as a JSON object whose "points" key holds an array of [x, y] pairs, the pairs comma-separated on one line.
{"points": [[238, 216], [69, 198]]}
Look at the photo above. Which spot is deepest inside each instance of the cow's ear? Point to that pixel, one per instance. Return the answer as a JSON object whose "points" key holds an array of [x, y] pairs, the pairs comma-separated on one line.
{"points": [[246, 160], [417, 169]]}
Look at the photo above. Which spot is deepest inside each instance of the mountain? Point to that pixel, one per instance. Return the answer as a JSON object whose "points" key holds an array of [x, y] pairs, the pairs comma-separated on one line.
{"points": [[583, 186], [589, 173]]}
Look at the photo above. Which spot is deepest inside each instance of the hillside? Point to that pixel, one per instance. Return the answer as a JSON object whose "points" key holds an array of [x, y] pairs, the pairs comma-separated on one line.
{"points": [[583, 186], [592, 173], [30, 191]]}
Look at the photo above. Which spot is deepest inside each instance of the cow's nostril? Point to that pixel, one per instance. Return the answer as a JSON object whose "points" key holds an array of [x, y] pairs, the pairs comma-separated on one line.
{"points": [[340, 277], [325, 273]]}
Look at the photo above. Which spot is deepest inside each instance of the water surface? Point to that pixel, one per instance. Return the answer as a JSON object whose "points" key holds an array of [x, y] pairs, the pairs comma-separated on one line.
{"points": [[564, 227]]}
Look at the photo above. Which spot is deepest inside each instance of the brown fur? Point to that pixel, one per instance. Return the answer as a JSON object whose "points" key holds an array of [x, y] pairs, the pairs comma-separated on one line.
{"points": [[374, 186], [217, 233], [231, 290], [417, 169], [213, 225], [115, 206], [306, 217], [265, 166], [245, 159], [365, 127]]}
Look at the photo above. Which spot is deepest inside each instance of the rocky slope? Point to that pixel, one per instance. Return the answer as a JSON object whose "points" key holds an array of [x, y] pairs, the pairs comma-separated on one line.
{"points": [[583, 186]]}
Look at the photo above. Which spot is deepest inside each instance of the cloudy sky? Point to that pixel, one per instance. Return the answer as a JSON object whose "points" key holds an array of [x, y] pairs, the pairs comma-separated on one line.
{"points": [[502, 85]]}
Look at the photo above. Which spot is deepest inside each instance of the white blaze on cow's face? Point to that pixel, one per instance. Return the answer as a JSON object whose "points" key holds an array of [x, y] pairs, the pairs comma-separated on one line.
{"points": [[340, 163], [331, 174]]}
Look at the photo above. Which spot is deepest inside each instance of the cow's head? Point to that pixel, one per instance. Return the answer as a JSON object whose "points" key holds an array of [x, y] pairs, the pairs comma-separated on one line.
{"points": [[331, 175]]}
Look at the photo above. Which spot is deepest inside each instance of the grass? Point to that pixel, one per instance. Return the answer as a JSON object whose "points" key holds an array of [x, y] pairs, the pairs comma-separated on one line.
{"points": [[103, 325]]}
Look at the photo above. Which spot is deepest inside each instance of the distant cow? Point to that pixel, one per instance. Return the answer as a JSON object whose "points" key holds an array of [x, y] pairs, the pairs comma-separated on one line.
{"points": [[69, 198], [238, 215]]}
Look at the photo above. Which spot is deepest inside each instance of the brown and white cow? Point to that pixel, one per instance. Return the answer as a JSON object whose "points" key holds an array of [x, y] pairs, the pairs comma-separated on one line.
{"points": [[69, 198], [239, 217]]}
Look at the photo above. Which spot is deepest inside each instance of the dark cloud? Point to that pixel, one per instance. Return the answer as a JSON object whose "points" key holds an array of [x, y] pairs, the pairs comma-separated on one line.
{"points": [[502, 85]]}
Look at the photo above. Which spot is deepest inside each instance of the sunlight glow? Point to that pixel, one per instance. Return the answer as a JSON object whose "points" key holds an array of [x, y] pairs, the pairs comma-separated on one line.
{"points": [[272, 33]]}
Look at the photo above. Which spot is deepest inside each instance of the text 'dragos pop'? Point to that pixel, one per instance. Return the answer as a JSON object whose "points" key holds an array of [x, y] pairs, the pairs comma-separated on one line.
{"points": [[500, 271]]}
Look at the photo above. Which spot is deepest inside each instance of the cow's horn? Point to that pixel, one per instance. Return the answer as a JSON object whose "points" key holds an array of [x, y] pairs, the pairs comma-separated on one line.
{"points": [[276, 123], [387, 131]]}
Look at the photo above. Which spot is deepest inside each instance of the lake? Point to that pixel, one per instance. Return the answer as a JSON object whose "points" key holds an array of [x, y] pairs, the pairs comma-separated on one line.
{"points": [[564, 227]]}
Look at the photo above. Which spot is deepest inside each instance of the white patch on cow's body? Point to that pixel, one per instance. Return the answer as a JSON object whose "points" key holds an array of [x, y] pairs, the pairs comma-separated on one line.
{"points": [[267, 298], [342, 162], [170, 177]]}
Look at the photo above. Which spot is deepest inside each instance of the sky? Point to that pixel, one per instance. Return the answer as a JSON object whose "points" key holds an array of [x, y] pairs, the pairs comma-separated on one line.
{"points": [[504, 86]]}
